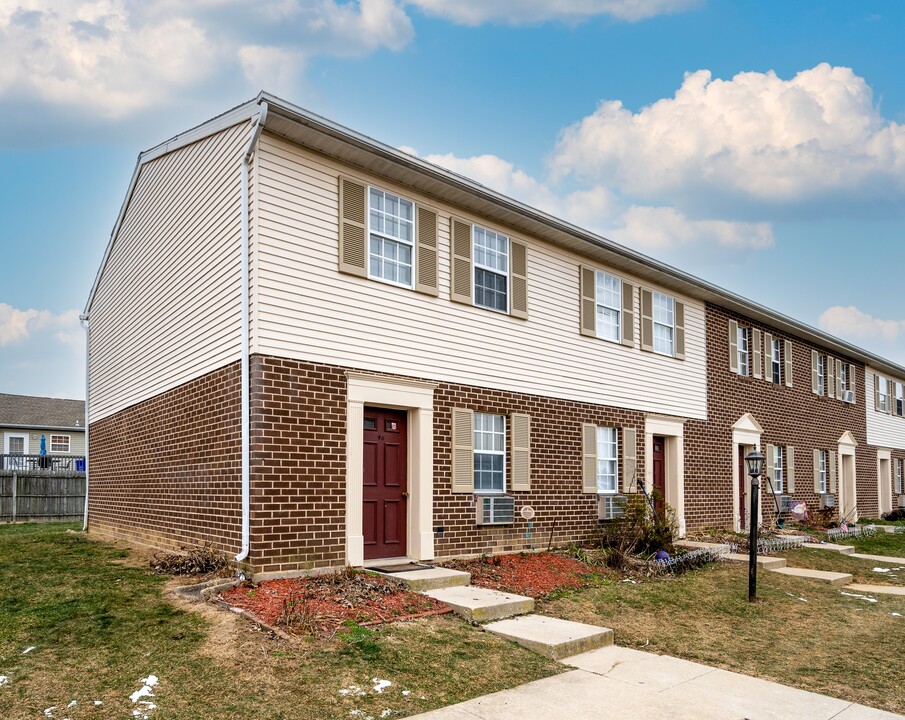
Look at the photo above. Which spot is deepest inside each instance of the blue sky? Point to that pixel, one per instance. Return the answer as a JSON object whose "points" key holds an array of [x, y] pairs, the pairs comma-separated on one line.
{"points": [[760, 146]]}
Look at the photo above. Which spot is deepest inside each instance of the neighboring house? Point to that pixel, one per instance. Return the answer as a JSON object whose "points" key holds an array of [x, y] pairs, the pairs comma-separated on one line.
{"points": [[884, 392], [316, 350], [24, 420]]}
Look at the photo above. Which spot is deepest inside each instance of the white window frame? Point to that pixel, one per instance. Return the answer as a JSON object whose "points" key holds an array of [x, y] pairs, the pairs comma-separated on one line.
{"points": [[776, 361], [821, 471], [898, 407], [601, 490], [476, 452], [391, 238], [883, 394], [899, 471], [670, 308], [843, 378], [744, 354], [68, 444], [779, 470], [478, 266], [821, 374], [600, 303]]}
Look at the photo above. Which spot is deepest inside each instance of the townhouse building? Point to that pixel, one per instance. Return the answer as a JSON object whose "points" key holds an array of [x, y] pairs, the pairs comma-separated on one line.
{"points": [[315, 350]]}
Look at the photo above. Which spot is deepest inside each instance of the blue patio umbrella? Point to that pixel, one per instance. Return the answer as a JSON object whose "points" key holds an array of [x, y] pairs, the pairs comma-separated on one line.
{"points": [[43, 444]]}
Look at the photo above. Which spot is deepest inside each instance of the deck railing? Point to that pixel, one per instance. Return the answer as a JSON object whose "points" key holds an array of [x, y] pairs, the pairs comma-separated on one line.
{"points": [[45, 463]]}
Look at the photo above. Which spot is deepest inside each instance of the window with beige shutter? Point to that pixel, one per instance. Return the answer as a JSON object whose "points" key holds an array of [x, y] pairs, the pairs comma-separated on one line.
{"points": [[352, 242], [662, 324], [830, 376], [734, 365], [601, 471], [787, 358], [462, 450], [426, 252], [756, 353], [606, 306], [520, 478]]}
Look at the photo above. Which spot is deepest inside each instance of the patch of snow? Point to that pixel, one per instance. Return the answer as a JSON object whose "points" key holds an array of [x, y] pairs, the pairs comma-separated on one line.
{"points": [[386, 713], [150, 681], [143, 691], [629, 580], [380, 685], [3, 680], [98, 702], [895, 614], [352, 691], [406, 692], [802, 599], [28, 649], [360, 714], [881, 570], [860, 597], [49, 711], [73, 704]]}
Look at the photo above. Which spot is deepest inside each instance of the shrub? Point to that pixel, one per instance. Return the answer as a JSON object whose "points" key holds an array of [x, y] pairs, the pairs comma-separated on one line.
{"points": [[640, 531]]}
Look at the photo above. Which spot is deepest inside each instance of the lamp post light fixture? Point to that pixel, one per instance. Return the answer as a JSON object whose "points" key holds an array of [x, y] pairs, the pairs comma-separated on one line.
{"points": [[755, 460]]}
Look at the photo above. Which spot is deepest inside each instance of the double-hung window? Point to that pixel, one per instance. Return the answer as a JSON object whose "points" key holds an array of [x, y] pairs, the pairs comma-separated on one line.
{"points": [[899, 472], [664, 307], [491, 269], [391, 233], [778, 469], [883, 395], [744, 355], [821, 374], [59, 443], [609, 307], [899, 402], [489, 453], [843, 377], [821, 470], [776, 361], [607, 460]]}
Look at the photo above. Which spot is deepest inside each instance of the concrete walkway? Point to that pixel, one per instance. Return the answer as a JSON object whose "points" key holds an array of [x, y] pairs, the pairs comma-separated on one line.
{"points": [[621, 683]]}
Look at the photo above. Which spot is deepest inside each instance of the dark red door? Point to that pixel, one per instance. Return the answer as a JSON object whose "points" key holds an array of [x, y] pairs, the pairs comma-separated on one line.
{"points": [[385, 485], [742, 485], [659, 475]]}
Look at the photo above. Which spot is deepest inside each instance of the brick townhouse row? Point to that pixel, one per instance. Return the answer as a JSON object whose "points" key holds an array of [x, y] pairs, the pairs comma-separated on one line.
{"points": [[314, 350]]}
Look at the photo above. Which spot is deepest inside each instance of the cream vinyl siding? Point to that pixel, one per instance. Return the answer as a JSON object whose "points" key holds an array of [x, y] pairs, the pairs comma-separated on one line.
{"points": [[76, 440], [167, 307], [883, 430], [309, 311]]}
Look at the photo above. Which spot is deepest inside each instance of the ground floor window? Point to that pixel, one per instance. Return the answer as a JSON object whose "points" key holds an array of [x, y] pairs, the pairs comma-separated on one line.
{"points": [[489, 453], [821, 471], [778, 469], [607, 460], [59, 443]]}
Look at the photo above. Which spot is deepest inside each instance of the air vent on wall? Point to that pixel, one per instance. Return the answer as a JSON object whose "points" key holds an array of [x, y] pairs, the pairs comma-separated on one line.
{"points": [[827, 501], [848, 396], [495, 510], [610, 507]]}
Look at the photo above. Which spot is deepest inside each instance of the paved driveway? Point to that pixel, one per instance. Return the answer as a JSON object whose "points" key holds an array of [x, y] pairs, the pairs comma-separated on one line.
{"points": [[616, 682]]}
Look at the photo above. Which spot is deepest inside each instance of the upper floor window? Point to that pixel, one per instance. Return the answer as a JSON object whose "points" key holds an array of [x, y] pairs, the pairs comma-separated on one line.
{"points": [[607, 460], [489, 453], [899, 407], [778, 469], [664, 323], [883, 395], [491, 269], [776, 360], [822, 457], [59, 443], [744, 356], [844, 377], [391, 233], [821, 374], [609, 307]]}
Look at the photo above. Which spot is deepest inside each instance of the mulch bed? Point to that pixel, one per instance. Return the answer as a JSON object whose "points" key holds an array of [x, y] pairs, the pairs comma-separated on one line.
{"points": [[320, 605], [535, 575]]}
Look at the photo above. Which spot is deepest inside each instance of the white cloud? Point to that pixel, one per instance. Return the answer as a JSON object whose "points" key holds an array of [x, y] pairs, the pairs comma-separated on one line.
{"points": [[20, 325], [520, 12], [657, 228], [755, 136], [857, 325]]}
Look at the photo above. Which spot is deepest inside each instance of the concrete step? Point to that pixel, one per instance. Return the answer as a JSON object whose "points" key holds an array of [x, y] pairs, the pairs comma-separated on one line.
{"points": [[880, 558], [477, 604], [832, 547], [552, 637], [878, 589], [764, 561], [429, 579], [824, 576]]}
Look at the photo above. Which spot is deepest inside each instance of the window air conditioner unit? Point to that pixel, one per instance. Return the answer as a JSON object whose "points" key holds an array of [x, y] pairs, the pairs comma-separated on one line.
{"points": [[902, 501], [785, 503], [495, 510], [848, 396], [827, 501], [610, 507]]}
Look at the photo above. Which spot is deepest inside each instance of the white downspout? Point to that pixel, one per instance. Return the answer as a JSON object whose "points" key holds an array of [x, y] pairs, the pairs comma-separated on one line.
{"points": [[246, 411], [83, 321]]}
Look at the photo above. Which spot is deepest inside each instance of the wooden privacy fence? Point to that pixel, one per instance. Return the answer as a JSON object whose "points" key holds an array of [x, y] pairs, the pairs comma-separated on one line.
{"points": [[41, 496]]}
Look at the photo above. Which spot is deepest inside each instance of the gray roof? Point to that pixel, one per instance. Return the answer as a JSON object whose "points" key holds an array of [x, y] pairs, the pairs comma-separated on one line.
{"points": [[41, 412]]}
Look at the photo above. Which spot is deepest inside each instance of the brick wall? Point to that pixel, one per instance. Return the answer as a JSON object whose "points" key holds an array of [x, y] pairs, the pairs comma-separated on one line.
{"points": [[167, 471], [789, 416]]}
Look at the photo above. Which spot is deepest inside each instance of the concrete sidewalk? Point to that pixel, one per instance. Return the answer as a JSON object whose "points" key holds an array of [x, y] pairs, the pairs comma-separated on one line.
{"points": [[616, 682]]}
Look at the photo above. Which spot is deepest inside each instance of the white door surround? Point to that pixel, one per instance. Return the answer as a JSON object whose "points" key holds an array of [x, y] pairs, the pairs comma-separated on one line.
{"points": [[884, 481], [673, 432], [9, 436], [847, 484], [746, 432], [417, 398]]}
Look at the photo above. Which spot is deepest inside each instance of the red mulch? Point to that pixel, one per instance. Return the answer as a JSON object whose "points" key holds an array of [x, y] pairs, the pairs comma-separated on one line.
{"points": [[534, 575], [320, 605]]}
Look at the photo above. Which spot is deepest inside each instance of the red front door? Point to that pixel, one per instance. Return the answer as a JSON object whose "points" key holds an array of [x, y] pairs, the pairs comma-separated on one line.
{"points": [[385, 485], [659, 475]]}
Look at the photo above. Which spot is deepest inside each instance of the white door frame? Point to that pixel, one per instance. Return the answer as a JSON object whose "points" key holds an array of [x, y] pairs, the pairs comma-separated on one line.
{"points": [[746, 432], [672, 430], [10, 464], [884, 481], [847, 481]]}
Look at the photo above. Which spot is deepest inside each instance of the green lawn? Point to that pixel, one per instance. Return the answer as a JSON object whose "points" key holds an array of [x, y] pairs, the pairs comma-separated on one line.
{"points": [[99, 622]]}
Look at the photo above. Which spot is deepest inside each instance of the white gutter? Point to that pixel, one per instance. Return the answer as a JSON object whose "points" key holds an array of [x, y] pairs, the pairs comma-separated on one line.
{"points": [[83, 321], [246, 420]]}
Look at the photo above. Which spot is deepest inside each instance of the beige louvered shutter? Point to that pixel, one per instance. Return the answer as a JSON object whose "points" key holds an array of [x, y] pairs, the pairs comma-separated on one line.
{"points": [[815, 380], [876, 392], [426, 252], [680, 330], [770, 456], [756, 353], [839, 379], [832, 459], [890, 390], [628, 314], [789, 489], [817, 472], [787, 352], [733, 346], [647, 320], [830, 377], [518, 263], [352, 243], [460, 265], [629, 459], [587, 280], [768, 357], [589, 458], [521, 452], [462, 450]]}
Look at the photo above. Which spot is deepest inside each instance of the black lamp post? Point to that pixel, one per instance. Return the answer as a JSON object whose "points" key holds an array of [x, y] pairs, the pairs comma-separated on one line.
{"points": [[755, 461]]}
